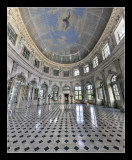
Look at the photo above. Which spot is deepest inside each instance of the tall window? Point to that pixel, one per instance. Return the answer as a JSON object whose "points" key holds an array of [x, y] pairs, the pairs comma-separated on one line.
{"points": [[78, 93], [46, 69], [76, 72], [89, 92], [105, 51], [115, 88], [100, 93], [36, 63], [120, 31], [86, 68], [11, 34], [56, 72], [95, 62], [26, 53]]}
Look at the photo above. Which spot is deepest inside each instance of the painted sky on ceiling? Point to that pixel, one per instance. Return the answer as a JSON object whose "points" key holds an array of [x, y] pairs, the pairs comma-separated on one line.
{"points": [[51, 29], [47, 29]]}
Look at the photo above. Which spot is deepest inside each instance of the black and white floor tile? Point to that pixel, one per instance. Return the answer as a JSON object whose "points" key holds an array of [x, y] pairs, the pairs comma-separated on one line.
{"points": [[66, 128]]}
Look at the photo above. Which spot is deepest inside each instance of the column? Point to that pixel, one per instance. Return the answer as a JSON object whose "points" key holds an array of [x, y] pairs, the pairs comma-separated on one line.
{"points": [[83, 95], [39, 88], [14, 68], [81, 70], [104, 97], [33, 93], [19, 97], [94, 91], [106, 89], [11, 94], [71, 92], [110, 42], [90, 65], [113, 40], [29, 95], [29, 75], [51, 71], [100, 57], [60, 72], [49, 92], [60, 92]]}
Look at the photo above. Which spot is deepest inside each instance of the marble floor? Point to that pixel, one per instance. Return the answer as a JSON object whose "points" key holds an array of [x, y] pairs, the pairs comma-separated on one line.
{"points": [[66, 128]]}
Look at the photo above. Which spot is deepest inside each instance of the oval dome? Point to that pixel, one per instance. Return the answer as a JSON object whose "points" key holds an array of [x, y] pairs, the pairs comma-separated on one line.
{"points": [[65, 35]]}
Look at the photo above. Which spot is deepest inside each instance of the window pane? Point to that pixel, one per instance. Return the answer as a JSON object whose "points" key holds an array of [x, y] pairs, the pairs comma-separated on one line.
{"points": [[80, 92], [76, 97], [80, 97]]}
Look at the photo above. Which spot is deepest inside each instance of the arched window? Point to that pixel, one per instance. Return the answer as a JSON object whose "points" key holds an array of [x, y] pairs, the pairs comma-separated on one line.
{"points": [[89, 92], [78, 93], [114, 87]]}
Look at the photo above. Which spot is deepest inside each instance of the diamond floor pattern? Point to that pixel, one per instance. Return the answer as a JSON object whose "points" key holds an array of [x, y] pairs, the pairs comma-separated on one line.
{"points": [[66, 128]]}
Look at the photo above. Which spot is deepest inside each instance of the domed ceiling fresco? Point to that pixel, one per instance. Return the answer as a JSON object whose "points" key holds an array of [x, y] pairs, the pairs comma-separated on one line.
{"points": [[65, 35]]}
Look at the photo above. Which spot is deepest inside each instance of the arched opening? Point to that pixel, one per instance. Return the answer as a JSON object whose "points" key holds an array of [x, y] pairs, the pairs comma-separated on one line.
{"points": [[33, 92], [66, 93], [43, 93], [55, 94]]}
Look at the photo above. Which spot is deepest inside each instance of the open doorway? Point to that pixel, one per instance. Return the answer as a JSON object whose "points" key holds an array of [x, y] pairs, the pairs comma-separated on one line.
{"points": [[66, 96]]}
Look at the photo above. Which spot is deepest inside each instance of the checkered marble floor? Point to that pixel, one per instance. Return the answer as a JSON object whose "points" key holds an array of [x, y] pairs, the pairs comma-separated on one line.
{"points": [[66, 128]]}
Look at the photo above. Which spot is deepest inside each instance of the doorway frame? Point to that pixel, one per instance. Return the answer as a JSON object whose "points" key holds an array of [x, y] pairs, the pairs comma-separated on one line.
{"points": [[68, 97]]}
